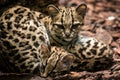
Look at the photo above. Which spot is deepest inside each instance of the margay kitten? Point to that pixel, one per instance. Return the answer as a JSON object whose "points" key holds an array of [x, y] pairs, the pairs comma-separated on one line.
{"points": [[25, 32]]}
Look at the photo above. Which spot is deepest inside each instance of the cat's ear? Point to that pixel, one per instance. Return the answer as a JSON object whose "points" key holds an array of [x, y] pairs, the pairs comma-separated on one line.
{"points": [[52, 10], [82, 9]]}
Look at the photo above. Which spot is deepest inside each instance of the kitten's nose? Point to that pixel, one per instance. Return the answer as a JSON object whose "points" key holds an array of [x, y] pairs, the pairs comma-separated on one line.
{"points": [[67, 34]]}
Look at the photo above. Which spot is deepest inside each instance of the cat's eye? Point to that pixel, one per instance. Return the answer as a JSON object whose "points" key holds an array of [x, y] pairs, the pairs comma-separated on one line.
{"points": [[59, 26], [74, 26]]}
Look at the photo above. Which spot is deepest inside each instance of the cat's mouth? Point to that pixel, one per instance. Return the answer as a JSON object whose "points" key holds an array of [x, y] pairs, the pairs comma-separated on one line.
{"points": [[68, 39]]}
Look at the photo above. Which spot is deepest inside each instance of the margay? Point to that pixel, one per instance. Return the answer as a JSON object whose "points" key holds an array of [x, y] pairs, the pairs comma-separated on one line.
{"points": [[25, 44]]}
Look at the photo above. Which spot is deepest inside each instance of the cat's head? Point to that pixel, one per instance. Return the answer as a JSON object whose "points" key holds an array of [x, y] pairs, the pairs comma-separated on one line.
{"points": [[66, 22]]}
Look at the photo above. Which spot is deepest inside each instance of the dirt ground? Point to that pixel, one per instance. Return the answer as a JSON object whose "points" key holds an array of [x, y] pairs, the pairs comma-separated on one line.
{"points": [[103, 22]]}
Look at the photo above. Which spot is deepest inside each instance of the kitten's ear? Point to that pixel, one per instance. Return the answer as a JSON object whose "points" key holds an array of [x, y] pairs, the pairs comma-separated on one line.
{"points": [[82, 9], [52, 10]]}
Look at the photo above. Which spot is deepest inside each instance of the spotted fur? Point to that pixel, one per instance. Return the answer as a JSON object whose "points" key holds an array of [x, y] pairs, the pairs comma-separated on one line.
{"points": [[60, 62], [25, 38], [91, 53], [24, 42], [25, 45]]}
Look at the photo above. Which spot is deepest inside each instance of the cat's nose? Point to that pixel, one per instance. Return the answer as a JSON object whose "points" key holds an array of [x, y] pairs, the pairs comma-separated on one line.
{"points": [[67, 34]]}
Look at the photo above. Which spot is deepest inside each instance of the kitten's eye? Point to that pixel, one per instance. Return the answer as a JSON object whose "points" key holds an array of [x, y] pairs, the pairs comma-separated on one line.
{"points": [[59, 26], [74, 26]]}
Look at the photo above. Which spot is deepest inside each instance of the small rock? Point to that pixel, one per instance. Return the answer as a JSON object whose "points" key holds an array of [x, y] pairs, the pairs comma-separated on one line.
{"points": [[111, 18]]}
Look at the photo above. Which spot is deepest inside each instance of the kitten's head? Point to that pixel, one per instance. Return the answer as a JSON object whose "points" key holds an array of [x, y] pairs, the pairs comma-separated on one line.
{"points": [[66, 22]]}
